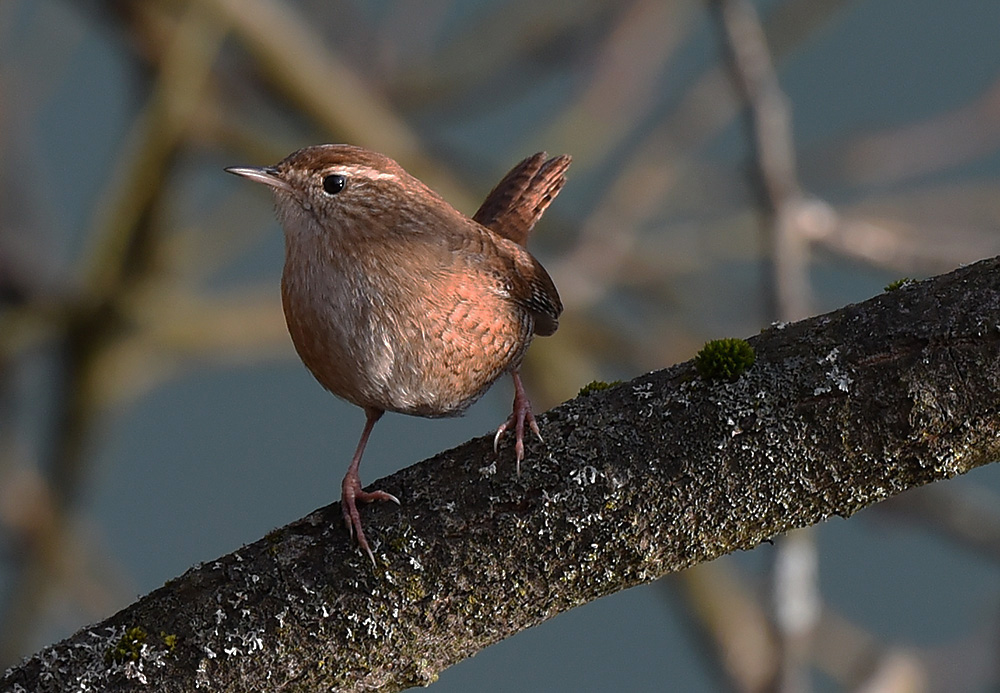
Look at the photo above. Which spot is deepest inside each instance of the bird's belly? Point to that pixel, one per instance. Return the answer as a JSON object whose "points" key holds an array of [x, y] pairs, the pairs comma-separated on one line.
{"points": [[416, 358], [439, 368]]}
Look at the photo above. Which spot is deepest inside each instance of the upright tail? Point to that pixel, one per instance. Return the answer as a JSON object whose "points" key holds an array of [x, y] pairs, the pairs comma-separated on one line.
{"points": [[517, 202]]}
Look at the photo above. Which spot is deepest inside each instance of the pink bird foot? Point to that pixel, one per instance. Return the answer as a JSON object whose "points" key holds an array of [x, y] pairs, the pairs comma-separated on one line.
{"points": [[521, 413]]}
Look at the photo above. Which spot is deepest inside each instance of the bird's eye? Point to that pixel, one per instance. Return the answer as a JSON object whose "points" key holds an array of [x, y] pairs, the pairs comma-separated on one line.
{"points": [[334, 183]]}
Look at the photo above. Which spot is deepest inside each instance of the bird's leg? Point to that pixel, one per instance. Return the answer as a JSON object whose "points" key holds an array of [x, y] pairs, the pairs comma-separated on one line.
{"points": [[520, 414], [351, 487]]}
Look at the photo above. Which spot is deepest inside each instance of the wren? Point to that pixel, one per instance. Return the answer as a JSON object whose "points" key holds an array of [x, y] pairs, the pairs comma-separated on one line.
{"points": [[396, 301]]}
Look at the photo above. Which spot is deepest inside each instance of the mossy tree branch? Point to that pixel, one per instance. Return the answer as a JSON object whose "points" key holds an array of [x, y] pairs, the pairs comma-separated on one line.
{"points": [[648, 477]]}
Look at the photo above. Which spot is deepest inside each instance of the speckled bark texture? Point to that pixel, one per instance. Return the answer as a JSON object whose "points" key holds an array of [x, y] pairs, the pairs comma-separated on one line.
{"points": [[839, 412]]}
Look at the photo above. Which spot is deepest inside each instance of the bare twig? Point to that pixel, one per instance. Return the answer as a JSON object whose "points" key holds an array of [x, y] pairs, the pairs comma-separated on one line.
{"points": [[124, 246], [289, 51], [770, 123]]}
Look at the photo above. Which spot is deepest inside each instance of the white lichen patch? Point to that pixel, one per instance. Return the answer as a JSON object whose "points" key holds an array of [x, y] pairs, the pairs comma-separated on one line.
{"points": [[201, 678], [550, 498], [836, 377], [85, 666], [949, 464], [644, 391], [585, 476], [581, 522]]}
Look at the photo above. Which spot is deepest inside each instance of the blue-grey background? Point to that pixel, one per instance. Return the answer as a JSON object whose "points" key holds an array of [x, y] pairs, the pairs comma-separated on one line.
{"points": [[200, 445]]}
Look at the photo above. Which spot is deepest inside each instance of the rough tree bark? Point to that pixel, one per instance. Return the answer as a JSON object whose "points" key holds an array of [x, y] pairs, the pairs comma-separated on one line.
{"points": [[840, 411]]}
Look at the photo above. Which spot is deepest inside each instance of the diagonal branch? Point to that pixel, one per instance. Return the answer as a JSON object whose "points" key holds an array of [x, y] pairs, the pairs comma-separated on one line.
{"points": [[840, 411]]}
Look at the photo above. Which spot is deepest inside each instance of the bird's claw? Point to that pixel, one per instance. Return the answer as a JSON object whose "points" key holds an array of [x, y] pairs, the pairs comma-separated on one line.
{"points": [[351, 493], [518, 417]]}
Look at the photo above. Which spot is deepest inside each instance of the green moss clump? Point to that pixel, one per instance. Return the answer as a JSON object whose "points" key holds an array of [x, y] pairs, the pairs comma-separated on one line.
{"points": [[898, 284], [128, 648], [724, 359], [597, 386], [170, 641]]}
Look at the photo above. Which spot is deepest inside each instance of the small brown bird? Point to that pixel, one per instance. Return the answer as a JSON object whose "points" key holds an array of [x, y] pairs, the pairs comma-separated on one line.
{"points": [[396, 301]]}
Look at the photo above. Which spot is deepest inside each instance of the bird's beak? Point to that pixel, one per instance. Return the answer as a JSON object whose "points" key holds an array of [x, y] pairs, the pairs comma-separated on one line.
{"points": [[268, 175]]}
